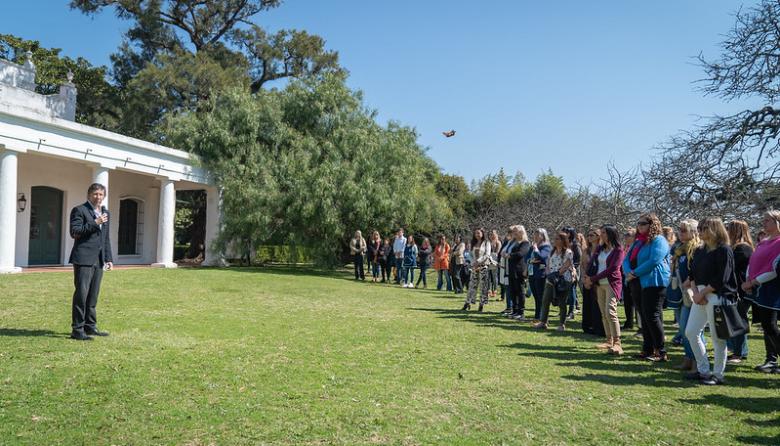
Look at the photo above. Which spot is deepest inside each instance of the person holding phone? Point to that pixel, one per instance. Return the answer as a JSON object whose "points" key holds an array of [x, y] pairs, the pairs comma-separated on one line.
{"points": [[91, 253]]}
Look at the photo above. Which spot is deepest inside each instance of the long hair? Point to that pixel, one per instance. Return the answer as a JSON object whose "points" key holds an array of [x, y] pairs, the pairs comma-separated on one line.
{"points": [[715, 226], [543, 234], [563, 236], [613, 236], [521, 230], [669, 235], [739, 233], [655, 226], [474, 236]]}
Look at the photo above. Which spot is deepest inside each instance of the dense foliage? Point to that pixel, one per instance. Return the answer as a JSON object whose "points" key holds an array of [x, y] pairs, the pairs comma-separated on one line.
{"points": [[308, 165]]}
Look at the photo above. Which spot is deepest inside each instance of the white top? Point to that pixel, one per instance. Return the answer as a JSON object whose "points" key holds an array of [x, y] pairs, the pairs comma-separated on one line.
{"points": [[557, 260], [603, 265], [399, 243]]}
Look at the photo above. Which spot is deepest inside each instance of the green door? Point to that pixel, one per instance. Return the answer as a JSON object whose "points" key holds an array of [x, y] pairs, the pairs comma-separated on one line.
{"points": [[45, 226]]}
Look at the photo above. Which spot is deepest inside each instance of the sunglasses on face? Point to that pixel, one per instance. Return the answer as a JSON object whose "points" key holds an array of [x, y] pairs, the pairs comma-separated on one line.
{"points": [[642, 223]]}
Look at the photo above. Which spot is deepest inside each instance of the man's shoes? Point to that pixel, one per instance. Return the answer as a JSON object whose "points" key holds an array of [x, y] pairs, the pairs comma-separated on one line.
{"points": [[80, 336], [96, 333], [712, 380], [766, 367]]}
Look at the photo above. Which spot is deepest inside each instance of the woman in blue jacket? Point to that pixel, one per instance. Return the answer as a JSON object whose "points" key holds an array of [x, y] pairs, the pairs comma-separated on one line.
{"points": [[541, 252], [652, 270]]}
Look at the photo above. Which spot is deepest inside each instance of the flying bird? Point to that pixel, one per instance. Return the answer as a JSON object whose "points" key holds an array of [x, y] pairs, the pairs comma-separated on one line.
{"points": [[449, 134]]}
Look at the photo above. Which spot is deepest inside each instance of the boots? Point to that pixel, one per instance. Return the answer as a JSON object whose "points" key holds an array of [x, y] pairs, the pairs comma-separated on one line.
{"points": [[686, 365], [617, 348], [606, 345]]}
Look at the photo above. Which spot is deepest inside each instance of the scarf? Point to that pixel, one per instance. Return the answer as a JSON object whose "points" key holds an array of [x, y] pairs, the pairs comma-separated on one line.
{"points": [[641, 239], [685, 249], [763, 259]]}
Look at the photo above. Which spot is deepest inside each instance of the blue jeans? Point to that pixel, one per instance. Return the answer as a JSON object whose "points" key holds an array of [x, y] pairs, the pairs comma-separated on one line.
{"points": [[683, 321], [508, 296], [405, 272], [445, 273], [572, 298], [398, 265]]}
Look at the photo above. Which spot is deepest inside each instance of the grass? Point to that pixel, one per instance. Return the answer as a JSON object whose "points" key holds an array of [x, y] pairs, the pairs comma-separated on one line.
{"points": [[298, 357]]}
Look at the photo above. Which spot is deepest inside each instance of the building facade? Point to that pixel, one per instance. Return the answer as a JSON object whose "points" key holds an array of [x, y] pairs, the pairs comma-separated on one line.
{"points": [[47, 162]]}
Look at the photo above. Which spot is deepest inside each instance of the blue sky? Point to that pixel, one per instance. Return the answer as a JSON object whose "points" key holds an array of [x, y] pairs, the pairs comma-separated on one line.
{"points": [[567, 85]]}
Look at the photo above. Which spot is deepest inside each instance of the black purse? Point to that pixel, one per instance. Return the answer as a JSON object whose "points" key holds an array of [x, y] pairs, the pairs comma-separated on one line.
{"points": [[728, 321]]}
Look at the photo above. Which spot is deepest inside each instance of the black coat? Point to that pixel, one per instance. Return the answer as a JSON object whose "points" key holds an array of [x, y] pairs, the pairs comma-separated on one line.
{"points": [[92, 245], [517, 265]]}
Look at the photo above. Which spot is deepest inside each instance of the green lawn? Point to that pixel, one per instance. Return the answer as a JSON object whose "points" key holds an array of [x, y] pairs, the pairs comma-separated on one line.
{"points": [[296, 357]]}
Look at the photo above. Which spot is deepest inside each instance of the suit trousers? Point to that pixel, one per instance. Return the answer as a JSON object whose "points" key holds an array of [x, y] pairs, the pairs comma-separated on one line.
{"points": [[87, 281]]}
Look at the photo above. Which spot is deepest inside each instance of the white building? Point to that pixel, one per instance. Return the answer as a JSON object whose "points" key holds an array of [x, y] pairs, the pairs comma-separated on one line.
{"points": [[47, 162]]}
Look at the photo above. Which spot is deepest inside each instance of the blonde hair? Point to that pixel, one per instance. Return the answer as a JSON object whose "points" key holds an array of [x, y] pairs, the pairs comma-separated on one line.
{"points": [[774, 215], [669, 234], [691, 226], [715, 226], [521, 230]]}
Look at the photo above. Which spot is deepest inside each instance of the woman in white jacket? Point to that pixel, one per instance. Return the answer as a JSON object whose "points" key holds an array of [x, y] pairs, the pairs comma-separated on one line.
{"points": [[482, 261]]}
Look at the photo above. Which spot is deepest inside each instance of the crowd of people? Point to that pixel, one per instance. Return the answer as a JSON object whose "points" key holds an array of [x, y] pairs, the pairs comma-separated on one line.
{"points": [[709, 273]]}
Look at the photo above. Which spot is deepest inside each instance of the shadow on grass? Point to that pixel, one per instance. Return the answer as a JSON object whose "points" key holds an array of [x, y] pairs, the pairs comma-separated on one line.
{"points": [[23, 332], [752, 405]]}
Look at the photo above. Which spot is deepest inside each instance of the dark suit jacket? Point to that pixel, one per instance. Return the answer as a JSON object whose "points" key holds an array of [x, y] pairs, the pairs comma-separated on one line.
{"points": [[518, 261], [92, 242]]}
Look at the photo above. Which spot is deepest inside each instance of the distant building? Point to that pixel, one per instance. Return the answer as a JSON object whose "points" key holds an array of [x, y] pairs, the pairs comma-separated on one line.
{"points": [[47, 162]]}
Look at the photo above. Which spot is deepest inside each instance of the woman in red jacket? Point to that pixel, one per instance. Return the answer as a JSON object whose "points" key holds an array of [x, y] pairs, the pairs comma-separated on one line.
{"points": [[604, 272]]}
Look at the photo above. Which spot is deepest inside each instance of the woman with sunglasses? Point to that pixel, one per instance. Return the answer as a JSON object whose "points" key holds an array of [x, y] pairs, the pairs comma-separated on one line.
{"points": [[649, 265]]}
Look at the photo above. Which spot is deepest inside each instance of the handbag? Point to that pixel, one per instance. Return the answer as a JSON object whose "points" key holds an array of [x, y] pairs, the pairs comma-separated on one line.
{"points": [[728, 321]]}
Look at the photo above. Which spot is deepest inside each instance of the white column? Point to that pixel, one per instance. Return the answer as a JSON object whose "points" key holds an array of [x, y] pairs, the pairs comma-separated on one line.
{"points": [[9, 164], [165, 225], [213, 257], [100, 176]]}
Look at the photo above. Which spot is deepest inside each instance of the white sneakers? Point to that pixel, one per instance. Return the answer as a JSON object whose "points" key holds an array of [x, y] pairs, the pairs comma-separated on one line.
{"points": [[407, 285]]}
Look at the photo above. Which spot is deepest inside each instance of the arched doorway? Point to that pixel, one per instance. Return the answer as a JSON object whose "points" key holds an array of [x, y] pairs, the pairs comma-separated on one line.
{"points": [[45, 226]]}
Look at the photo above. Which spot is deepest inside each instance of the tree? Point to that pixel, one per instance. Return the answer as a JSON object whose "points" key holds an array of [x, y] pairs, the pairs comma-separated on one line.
{"points": [[179, 52], [308, 165], [729, 165], [96, 100]]}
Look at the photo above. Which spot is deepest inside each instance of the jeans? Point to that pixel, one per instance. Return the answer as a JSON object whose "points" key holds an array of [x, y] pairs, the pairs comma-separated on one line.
{"points": [[738, 344], [651, 310], [572, 301], [685, 312], [423, 276], [405, 272], [700, 316], [399, 261], [359, 267], [537, 289], [444, 273], [457, 280], [375, 270]]}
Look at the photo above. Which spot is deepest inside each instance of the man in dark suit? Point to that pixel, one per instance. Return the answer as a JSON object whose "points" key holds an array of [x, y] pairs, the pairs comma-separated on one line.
{"points": [[91, 253]]}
